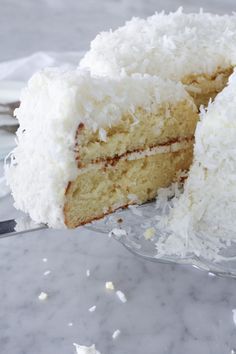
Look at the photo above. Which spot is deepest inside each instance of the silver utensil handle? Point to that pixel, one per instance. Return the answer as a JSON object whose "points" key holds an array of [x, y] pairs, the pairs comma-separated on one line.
{"points": [[13, 227], [9, 108]]}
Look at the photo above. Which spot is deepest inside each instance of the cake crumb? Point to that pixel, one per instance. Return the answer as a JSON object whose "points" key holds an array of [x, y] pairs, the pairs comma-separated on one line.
{"points": [[149, 233], [88, 273], [47, 272], [82, 349], [116, 334], [109, 285], [43, 296], [121, 296], [92, 309]]}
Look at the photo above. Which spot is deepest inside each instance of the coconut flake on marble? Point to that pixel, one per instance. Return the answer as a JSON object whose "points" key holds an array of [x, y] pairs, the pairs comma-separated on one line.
{"points": [[234, 316], [82, 349], [92, 308], [121, 296], [43, 296], [109, 285], [116, 334]]}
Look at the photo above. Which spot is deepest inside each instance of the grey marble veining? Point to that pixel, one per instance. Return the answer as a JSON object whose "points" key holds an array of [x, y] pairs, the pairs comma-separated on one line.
{"points": [[170, 310]]}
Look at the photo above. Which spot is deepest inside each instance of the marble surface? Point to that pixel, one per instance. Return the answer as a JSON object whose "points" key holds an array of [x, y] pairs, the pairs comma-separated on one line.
{"points": [[170, 310]]}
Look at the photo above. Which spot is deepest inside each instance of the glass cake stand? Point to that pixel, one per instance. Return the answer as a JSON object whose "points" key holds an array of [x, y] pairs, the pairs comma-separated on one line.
{"points": [[128, 227], [136, 221]]}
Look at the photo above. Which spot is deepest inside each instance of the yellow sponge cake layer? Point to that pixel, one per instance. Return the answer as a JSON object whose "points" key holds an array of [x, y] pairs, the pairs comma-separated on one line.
{"points": [[102, 188], [138, 131], [203, 87]]}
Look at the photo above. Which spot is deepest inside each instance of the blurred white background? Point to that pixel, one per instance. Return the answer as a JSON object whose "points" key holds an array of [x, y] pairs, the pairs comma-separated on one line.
{"points": [[27, 26]]}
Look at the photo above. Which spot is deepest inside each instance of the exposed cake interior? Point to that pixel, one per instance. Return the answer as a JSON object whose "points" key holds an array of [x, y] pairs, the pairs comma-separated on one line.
{"points": [[105, 188], [137, 131], [141, 129], [203, 87]]}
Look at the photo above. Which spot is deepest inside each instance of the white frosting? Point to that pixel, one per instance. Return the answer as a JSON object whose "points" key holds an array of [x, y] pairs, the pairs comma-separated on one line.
{"points": [[208, 204], [54, 103], [162, 149], [170, 46]]}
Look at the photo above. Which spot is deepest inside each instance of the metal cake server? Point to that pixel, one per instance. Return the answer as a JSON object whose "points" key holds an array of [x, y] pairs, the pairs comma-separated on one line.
{"points": [[9, 108], [15, 227]]}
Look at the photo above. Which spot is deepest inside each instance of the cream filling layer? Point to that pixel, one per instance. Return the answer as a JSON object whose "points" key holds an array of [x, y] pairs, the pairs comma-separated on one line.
{"points": [[161, 149]]}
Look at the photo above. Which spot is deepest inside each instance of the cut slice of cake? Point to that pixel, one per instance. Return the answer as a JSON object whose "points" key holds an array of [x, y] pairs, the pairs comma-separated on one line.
{"points": [[89, 145]]}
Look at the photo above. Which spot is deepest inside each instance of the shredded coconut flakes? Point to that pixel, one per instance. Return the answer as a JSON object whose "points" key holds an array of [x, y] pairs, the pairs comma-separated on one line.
{"points": [[93, 308], [43, 296], [121, 296], [116, 334], [82, 349], [109, 285], [153, 46], [234, 316]]}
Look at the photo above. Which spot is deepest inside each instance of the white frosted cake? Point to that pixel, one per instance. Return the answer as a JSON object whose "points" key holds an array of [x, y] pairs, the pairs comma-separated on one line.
{"points": [[119, 128], [197, 49]]}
